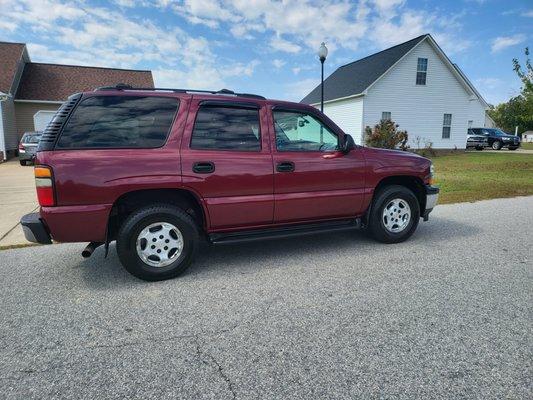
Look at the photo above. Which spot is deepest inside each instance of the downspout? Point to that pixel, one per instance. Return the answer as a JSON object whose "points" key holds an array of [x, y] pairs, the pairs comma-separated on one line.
{"points": [[3, 97]]}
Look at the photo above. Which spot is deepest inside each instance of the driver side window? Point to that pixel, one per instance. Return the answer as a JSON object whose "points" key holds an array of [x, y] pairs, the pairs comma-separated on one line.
{"points": [[300, 131]]}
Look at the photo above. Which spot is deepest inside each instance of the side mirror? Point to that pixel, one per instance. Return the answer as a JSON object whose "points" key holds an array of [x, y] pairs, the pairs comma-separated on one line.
{"points": [[348, 144]]}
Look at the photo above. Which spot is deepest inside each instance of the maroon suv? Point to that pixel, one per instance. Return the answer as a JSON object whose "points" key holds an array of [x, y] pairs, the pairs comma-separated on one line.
{"points": [[159, 169]]}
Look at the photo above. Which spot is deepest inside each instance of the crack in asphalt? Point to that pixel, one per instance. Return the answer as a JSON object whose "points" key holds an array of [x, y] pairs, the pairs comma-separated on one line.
{"points": [[194, 337], [200, 353]]}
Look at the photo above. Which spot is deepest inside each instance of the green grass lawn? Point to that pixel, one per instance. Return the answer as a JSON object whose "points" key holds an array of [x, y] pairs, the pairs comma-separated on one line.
{"points": [[527, 146], [479, 176]]}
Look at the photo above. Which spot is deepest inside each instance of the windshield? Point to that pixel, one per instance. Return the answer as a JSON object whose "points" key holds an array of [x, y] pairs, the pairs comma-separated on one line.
{"points": [[32, 138]]}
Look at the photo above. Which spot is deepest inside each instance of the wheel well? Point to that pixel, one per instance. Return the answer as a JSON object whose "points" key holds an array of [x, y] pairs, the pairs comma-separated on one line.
{"points": [[132, 201], [411, 182]]}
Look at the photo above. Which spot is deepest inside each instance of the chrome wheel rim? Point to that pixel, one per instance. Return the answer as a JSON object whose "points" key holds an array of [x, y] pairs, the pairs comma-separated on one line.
{"points": [[396, 215], [159, 244]]}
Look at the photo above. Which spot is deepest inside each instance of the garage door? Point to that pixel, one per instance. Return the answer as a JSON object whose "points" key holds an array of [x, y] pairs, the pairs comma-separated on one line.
{"points": [[42, 118]]}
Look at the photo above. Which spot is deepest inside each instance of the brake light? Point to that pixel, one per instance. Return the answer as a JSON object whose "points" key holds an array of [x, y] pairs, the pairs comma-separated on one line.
{"points": [[45, 186], [21, 146]]}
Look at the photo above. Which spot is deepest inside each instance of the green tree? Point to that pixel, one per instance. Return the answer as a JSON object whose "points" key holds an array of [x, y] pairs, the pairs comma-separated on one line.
{"points": [[525, 75], [518, 111]]}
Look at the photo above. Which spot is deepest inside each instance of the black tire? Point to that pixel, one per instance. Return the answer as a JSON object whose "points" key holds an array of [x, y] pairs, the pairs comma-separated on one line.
{"points": [[140, 219], [496, 145], [23, 163], [513, 148], [381, 200], [479, 148]]}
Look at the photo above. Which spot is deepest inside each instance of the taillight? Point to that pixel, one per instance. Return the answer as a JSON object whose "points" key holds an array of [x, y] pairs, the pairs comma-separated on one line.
{"points": [[45, 186], [21, 146]]}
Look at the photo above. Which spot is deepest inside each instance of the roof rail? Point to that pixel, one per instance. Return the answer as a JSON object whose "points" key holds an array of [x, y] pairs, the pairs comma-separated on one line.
{"points": [[123, 86]]}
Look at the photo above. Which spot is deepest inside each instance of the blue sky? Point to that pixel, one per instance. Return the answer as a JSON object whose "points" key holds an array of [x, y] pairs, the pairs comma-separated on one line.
{"points": [[268, 47]]}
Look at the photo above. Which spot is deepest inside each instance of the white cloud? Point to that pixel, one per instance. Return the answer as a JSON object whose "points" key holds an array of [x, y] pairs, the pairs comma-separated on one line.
{"points": [[387, 5], [495, 90], [528, 13], [298, 90], [104, 37], [489, 83], [388, 32], [278, 63], [280, 44], [296, 70], [502, 42]]}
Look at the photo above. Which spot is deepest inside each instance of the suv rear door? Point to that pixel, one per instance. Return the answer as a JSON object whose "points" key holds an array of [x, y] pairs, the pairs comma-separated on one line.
{"points": [[312, 178], [226, 160]]}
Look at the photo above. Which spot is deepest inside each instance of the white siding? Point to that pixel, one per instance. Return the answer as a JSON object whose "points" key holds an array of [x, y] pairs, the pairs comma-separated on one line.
{"points": [[420, 109], [9, 133], [348, 115], [476, 113]]}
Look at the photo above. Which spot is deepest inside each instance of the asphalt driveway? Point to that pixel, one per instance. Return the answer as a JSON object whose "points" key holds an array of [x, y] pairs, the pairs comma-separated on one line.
{"points": [[446, 315]]}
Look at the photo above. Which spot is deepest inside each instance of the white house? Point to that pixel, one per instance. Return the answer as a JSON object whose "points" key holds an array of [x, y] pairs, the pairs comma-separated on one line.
{"points": [[415, 85], [527, 137]]}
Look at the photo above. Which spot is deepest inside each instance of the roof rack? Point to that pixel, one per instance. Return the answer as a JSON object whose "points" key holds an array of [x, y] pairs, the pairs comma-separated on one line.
{"points": [[123, 86]]}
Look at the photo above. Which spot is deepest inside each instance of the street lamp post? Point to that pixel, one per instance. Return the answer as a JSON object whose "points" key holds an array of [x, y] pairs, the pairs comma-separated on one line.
{"points": [[322, 54]]}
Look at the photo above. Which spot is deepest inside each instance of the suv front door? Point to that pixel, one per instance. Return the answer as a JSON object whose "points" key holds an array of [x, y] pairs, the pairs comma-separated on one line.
{"points": [[312, 178], [226, 160]]}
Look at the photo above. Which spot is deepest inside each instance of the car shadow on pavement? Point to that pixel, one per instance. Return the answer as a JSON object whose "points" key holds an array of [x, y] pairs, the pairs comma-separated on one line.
{"points": [[251, 257]]}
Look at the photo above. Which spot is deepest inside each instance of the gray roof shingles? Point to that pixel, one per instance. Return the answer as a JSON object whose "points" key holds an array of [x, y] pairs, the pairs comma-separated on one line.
{"points": [[355, 77]]}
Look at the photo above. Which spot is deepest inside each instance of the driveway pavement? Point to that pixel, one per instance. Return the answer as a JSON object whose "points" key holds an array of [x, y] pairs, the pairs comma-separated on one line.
{"points": [[444, 315], [17, 197]]}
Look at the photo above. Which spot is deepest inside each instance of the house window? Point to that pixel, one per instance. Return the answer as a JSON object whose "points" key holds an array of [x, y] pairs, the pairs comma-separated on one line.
{"points": [[421, 71], [446, 126], [386, 116]]}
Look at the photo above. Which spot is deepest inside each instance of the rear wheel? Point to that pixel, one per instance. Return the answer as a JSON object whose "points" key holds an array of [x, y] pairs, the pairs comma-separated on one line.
{"points": [[157, 242], [479, 148], [496, 145], [22, 162], [394, 215]]}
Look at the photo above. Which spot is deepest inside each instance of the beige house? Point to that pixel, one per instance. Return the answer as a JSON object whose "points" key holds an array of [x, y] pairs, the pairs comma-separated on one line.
{"points": [[30, 93]]}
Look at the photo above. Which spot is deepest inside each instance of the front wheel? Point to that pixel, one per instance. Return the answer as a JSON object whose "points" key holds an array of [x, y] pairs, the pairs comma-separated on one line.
{"points": [[157, 242], [394, 215], [497, 145], [513, 148]]}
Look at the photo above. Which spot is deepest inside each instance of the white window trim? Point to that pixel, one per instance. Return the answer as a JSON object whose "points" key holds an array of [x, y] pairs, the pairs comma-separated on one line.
{"points": [[425, 72], [446, 126]]}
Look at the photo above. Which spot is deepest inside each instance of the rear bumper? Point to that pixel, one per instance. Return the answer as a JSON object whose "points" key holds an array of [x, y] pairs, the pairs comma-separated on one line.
{"points": [[83, 223], [34, 229], [432, 196]]}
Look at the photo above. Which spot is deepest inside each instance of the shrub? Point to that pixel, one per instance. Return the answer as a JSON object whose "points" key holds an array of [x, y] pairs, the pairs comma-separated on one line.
{"points": [[386, 136], [427, 149]]}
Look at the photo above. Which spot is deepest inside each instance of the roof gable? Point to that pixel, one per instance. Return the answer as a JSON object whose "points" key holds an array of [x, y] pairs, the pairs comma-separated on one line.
{"points": [[10, 58], [355, 77], [54, 82]]}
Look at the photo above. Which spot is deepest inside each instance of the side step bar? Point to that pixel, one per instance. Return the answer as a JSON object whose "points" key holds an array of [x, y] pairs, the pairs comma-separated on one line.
{"points": [[284, 232]]}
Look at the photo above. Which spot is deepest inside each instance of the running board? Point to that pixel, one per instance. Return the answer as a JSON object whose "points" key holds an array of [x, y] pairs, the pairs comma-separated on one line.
{"points": [[284, 232]]}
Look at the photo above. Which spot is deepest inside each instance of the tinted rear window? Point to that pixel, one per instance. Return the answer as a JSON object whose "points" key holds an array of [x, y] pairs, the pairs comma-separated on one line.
{"points": [[226, 128], [119, 122]]}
